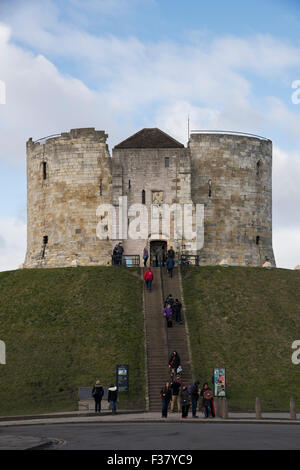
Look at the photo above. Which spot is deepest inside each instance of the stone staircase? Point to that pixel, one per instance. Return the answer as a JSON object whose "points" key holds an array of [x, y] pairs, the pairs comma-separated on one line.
{"points": [[177, 335], [157, 352], [156, 340]]}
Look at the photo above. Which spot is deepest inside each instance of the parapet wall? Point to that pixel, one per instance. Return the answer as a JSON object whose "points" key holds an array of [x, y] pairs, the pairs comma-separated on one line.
{"points": [[67, 177]]}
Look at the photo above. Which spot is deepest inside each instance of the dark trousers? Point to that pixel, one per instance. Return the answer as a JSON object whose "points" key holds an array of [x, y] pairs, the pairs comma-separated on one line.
{"points": [[207, 411], [97, 406], [185, 410], [149, 284], [145, 260], [178, 315], [170, 271], [165, 406], [194, 406]]}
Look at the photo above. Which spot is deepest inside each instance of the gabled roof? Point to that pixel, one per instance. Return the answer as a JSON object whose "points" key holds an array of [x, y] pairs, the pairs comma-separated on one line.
{"points": [[149, 138]]}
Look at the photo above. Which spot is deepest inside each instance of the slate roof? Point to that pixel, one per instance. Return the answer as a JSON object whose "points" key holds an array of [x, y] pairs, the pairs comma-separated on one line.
{"points": [[149, 138]]}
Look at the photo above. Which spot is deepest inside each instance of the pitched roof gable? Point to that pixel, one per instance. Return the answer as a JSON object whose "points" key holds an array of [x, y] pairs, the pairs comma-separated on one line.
{"points": [[149, 138]]}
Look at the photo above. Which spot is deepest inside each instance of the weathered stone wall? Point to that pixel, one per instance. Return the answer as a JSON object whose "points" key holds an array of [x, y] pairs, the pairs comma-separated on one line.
{"points": [[63, 205], [232, 177], [137, 170]]}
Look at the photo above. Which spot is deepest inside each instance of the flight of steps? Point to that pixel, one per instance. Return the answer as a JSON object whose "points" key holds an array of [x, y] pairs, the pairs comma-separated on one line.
{"points": [[157, 354], [156, 341], [178, 340]]}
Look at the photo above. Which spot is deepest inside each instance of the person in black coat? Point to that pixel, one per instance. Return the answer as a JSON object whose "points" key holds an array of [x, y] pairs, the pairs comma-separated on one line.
{"points": [[177, 307], [165, 395], [174, 362], [208, 404], [194, 397], [97, 394]]}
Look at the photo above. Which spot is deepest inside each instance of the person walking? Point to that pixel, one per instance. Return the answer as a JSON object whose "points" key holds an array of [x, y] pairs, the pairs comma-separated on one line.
{"points": [[185, 401], [165, 395], [168, 312], [171, 253], [177, 308], [112, 398], [170, 266], [148, 277], [169, 301], [195, 397], [145, 256], [97, 394], [207, 403], [175, 387], [174, 363]]}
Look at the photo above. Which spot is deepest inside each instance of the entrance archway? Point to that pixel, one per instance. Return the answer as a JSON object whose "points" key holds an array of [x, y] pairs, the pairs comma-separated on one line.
{"points": [[158, 252]]}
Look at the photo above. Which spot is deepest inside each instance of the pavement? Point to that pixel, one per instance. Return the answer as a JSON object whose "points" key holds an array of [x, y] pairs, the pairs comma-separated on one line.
{"points": [[13, 441]]}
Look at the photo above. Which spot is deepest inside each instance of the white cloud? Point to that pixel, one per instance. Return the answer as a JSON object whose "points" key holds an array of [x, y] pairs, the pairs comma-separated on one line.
{"points": [[12, 243], [286, 243]]}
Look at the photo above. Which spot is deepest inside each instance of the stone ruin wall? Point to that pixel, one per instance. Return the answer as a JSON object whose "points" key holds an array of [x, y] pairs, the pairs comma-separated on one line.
{"points": [[63, 205], [232, 177]]}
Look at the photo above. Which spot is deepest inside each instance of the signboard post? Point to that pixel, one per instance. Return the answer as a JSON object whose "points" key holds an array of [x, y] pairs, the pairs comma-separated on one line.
{"points": [[219, 382], [123, 378]]}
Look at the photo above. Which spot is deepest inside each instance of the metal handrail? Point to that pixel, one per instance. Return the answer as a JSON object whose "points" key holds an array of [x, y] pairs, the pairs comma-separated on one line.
{"points": [[47, 137], [246, 134], [166, 322]]}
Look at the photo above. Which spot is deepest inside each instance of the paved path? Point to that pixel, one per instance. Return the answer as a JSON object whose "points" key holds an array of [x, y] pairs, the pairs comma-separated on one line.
{"points": [[167, 436], [21, 442]]}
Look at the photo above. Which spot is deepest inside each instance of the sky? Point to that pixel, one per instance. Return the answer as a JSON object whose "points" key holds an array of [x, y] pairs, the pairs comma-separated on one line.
{"points": [[121, 65]]}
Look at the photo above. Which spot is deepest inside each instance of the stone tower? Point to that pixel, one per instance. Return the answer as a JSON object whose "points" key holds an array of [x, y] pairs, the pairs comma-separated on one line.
{"points": [[232, 177], [68, 176]]}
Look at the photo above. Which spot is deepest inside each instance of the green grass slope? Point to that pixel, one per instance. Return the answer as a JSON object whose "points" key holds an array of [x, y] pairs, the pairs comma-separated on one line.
{"points": [[64, 328], [246, 319]]}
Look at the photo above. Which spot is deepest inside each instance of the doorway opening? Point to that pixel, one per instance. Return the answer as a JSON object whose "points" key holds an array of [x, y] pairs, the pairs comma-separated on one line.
{"points": [[158, 253]]}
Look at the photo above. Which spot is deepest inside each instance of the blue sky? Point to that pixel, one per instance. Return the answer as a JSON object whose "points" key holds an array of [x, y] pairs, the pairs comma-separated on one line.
{"points": [[121, 65]]}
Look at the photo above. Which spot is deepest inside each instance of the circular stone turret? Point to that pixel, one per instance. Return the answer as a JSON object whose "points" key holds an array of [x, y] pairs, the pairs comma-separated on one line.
{"points": [[232, 178], [68, 176]]}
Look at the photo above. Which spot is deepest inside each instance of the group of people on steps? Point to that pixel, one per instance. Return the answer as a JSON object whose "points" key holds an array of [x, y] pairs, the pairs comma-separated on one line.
{"points": [[175, 392]]}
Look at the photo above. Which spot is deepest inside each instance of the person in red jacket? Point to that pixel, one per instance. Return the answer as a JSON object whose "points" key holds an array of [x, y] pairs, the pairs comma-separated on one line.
{"points": [[148, 276]]}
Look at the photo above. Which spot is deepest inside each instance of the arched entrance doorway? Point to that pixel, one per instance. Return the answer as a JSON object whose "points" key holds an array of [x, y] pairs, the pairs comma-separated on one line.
{"points": [[158, 252]]}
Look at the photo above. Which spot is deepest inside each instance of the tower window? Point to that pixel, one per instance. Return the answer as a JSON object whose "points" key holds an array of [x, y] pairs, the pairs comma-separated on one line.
{"points": [[257, 240], [100, 188], [143, 197], [209, 188], [129, 184], [258, 168], [167, 162], [44, 170]]}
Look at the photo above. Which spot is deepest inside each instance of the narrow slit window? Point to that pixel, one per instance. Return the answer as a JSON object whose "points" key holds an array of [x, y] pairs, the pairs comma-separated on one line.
{"points": [[44, 170], [143, 197], [257, 240], [129, 184], [100, 188], [258, 168], [209, 188], [167, 162]]}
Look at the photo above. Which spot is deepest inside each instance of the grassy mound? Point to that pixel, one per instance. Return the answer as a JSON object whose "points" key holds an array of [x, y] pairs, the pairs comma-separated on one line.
{"points": [[63, 329], [246, 319]]}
